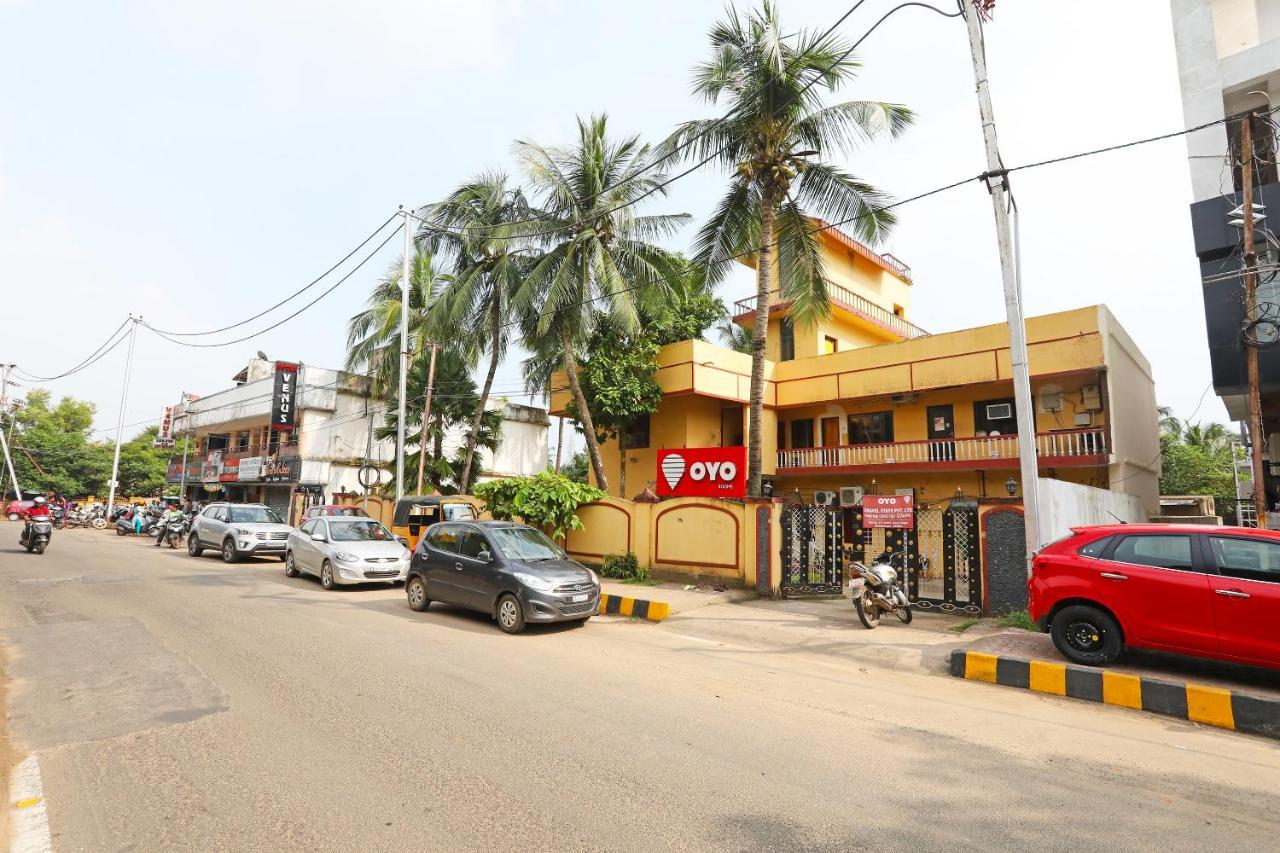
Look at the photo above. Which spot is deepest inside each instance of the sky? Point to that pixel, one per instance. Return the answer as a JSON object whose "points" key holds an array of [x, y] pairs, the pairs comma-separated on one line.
{"points": [[194, 162]]}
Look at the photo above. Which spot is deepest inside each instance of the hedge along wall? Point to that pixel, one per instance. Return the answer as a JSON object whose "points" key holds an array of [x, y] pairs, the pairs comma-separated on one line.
{"points": [[695, 536]]}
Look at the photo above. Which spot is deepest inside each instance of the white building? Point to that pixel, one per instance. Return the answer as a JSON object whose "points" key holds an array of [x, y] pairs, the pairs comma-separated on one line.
{"points": [[239, 458]]}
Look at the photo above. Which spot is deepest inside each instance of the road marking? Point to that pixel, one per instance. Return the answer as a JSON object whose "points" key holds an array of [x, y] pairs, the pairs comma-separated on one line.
{"points": [[28, 819]]}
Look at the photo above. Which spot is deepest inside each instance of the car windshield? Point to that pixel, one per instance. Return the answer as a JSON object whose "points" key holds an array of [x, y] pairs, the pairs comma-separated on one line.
{"points": [[363, 530], [253, 515], [345, 511], [524, 543]]}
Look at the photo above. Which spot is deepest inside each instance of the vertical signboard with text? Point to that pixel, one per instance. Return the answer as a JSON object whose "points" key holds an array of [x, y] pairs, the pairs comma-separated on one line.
{"points": [[164, 438], [284, 401]]}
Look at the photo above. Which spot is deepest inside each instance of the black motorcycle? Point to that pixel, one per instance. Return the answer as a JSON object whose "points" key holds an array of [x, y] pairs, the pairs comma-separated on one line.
{"points": [[174, 533], [35, 535]]}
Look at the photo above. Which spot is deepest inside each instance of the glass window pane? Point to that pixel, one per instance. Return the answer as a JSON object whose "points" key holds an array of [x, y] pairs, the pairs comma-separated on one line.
{"points": [[1095, 548], [1249, 559], [471, 544], [444, 538], [1166, 552]]}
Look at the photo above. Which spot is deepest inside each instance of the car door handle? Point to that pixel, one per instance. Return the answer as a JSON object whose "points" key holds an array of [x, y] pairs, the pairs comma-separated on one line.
{"points": [[1115, 576], [458, 566], [1232, 593]]}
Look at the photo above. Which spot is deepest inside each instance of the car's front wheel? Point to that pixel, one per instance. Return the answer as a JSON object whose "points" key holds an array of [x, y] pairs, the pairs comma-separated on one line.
{"points": [[194, 548], [416, 592], [326, 575], [229, 554], [1086, 634], [13, 516], [510, 614], [290, 568]]}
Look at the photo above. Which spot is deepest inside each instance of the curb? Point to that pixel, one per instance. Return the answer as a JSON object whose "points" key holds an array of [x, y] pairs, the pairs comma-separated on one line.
{"points": [[1197, 703], [637, 608]]}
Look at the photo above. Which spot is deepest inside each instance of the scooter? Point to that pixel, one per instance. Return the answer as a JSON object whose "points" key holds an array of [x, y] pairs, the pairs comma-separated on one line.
{"points": [[174, 533], [35, 535], [876, 590]]}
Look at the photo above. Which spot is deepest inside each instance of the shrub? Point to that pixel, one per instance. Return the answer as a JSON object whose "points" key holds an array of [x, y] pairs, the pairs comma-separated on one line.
{"points": [[620, 566], [547, 500]]}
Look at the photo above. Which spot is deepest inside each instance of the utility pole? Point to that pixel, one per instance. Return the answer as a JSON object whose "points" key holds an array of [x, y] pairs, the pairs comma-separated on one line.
{"points": [[1256, 436], [998, 186], [404, 350], [4, 390], [124, 401], [426, 417], [186, 441]]}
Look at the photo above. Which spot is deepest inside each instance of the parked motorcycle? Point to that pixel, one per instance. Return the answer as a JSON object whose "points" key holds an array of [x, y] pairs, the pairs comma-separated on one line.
{"points": [[124, 525], [876, 590], [35, 535], [58, 516], [98, 518]]}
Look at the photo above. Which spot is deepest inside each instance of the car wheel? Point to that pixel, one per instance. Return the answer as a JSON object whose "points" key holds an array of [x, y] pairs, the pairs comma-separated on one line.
{"points": [[229, 554], [326, 575], [290, 568], [416, 592], [13, 516], [1087, 635], [194, 548], [510, 614]]}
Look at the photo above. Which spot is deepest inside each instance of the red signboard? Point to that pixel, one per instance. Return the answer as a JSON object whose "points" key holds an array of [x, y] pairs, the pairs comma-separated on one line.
{"points": [[888, 511], [703, 472]]}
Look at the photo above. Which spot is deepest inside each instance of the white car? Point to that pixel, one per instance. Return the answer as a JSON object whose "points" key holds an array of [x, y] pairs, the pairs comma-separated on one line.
{"points": [[346, 550], [238, 530]]}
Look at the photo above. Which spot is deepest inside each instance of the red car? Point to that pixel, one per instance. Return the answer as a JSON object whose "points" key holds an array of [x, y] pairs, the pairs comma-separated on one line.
{"points": [[1212, 592], [15, 509], [333, 509]]}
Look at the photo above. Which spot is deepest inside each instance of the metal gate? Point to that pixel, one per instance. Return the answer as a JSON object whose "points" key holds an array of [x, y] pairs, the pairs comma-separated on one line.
{"points": [[943, 568], [812, 556]]}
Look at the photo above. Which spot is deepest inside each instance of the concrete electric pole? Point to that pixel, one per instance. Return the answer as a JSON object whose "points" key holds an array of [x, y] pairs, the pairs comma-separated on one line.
{"points": [[998, 186], [4, 390], [404, 349], [124, 401], [426, 417]]}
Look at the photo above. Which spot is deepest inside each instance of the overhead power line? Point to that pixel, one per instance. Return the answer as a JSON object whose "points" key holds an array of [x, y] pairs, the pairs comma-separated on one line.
{"points": [[88, 361]]}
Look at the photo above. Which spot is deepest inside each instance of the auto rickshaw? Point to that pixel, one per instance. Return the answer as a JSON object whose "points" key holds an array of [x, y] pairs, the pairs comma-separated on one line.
{"points": [[416, 513]]}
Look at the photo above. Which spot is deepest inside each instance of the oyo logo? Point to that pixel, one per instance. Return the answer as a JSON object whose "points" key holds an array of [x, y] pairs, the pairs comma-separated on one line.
{"points": [[673, 469]]}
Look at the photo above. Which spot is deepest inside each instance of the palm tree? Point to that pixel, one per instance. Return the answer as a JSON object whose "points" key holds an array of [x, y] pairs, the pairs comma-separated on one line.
{"points": [[597, 250], [471, 228], [373, 335], [738, 338], [771, 138], [1208, 437], [1169, 423]]}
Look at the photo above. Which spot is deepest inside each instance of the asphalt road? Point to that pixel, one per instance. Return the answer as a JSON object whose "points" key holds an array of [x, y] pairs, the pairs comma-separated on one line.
{"points": [[179, 703]]}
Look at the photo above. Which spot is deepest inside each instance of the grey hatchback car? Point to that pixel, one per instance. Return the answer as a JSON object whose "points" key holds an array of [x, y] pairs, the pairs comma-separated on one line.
{"points": [[510, 571]]}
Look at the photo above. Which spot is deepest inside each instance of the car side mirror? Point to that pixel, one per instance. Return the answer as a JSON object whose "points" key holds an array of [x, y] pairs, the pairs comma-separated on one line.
{"points": [[403, 540], [317, 537], [484, 557]]}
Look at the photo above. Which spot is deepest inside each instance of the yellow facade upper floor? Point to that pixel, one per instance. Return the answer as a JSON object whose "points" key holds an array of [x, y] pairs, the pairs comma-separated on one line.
{"points": [[1065, 343]]}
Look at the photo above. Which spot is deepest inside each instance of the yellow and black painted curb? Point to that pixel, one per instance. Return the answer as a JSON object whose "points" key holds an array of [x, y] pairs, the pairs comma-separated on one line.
{"points": [[1198, 703], [638, 608]]}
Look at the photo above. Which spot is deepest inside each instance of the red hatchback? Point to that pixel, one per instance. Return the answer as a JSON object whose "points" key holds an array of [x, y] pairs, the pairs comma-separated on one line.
{"points": [[1211, 592]]}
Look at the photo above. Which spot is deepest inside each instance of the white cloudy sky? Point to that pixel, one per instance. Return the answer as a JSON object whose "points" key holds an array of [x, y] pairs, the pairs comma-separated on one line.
{"points": [[191, 161]]}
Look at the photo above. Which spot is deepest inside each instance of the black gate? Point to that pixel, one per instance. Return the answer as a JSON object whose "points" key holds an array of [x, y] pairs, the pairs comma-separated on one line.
{"points": [[943, 565], [812, 558]]}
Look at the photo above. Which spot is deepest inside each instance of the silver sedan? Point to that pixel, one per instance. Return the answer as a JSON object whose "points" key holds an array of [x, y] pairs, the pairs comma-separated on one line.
{"points": [[346, 550]]}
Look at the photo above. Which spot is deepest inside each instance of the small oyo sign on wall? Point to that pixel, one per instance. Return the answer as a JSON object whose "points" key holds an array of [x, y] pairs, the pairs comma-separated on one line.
{"points": [[888, 511], [703, 472]]}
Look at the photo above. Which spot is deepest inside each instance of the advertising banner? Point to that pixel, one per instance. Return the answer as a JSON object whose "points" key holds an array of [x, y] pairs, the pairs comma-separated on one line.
{"points": [[703, 472], [281, 469], [230, 469], [164, 438], [250, 469], [283, 411], [888, 511], [212, 468]]}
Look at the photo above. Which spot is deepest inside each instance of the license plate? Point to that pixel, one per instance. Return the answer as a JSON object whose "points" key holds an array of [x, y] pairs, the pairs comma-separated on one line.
{"points": [[856, 586], [577, 598]]}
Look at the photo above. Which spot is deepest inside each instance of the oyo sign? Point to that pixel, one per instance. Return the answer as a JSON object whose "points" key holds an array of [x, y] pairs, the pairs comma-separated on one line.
{"points": [[888, 511], [703, 472]]}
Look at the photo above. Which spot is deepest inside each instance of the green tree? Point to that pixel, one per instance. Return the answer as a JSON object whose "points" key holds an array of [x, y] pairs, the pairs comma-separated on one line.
{"points": [[598, 251], [619, 386], [546, 500], [772, 137], [472, 229], [1198, 459], [142, 465], [51, 448], [577, 467]]}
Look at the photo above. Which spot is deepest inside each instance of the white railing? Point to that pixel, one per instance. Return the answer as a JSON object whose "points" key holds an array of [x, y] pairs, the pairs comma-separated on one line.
{"points": [[858, 304], [1064, 444]]}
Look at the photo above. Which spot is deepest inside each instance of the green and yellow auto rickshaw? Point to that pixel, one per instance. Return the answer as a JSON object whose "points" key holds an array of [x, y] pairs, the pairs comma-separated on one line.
{"points": [[416, 513]]}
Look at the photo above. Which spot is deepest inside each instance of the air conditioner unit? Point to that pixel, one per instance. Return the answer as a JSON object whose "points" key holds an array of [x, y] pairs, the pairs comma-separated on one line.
{"points": [[850, 495], [999, 411], [824, 498], [1084, 419], [1091, 397]]}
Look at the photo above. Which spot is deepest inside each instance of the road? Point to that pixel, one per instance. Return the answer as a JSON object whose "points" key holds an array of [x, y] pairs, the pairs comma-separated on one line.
{"points": [[180, 703]]}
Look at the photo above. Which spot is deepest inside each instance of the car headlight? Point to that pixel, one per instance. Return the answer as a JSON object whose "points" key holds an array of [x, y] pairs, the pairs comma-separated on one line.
{"points": [[344, 557], [595, 579], [534, 582]]}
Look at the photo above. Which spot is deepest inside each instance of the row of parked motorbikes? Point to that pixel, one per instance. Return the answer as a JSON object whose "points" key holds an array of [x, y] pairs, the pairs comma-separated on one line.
{"points": [[173, 533], [36, 532]]}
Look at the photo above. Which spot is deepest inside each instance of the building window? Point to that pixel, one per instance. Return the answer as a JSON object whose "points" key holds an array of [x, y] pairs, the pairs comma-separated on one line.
{"points": [[899, 311], [995, 417], [242, 440], [829, 345], [801, 434], [638, 434], [873, 428], [787, 340]]}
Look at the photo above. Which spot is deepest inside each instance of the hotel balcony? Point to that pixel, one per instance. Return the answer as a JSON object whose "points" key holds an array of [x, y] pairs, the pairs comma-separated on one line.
{"points": [[843, 298], [1064, 448]]}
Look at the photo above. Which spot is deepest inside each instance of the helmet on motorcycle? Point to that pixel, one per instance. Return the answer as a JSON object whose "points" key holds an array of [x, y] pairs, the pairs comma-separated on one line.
{"points": [[38, 500]]}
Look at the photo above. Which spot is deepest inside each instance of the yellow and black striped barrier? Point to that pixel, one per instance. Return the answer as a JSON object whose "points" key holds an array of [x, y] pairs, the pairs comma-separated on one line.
{"points": [[637, 608], [1198, 703]]}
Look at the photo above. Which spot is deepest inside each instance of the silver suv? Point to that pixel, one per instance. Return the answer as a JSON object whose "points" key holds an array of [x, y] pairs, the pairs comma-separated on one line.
{"points": [[239, 530]]}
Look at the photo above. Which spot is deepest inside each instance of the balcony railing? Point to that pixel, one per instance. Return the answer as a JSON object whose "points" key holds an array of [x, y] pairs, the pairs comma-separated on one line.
{"points": [[854, 303], [978, 451]]}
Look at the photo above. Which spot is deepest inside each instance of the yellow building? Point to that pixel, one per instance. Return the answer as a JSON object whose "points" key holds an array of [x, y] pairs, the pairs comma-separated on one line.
{"points": [[865, 401]]}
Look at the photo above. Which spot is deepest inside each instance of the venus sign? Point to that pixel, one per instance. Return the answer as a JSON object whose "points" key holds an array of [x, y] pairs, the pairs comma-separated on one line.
{"points": [[708, 472]]}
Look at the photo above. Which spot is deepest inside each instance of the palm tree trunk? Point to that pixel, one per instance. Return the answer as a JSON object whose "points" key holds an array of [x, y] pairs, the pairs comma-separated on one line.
{"points": [[438, 448], [764, 287], [559, 442], [622, 464], [584, 414], [495, 329]]}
